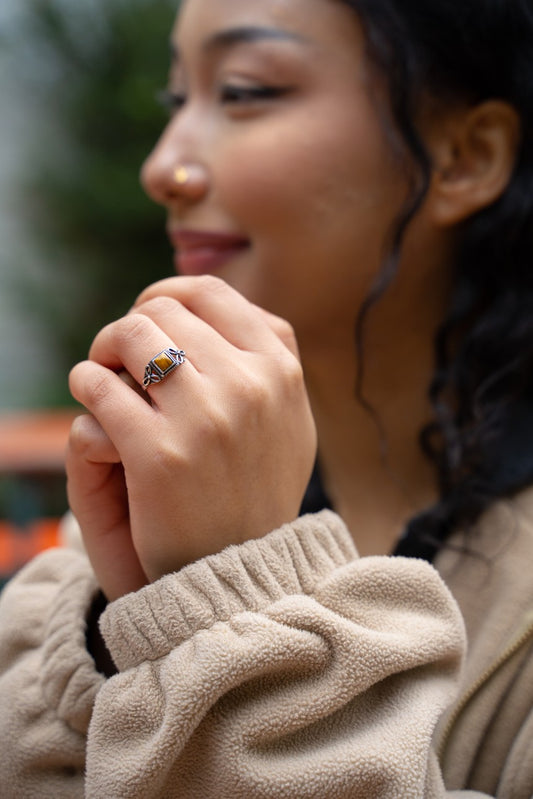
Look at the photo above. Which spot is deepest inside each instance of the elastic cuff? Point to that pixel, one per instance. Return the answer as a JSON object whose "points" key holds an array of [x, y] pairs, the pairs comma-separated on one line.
{"points": [[150, 623]]}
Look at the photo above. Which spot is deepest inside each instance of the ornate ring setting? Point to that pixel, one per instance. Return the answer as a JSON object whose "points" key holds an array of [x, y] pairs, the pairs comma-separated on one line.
{"points": [[162, 365]]}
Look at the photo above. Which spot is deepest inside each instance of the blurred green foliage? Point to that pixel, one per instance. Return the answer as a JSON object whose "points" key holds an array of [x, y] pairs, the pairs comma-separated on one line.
{"points": [[93, 67]]}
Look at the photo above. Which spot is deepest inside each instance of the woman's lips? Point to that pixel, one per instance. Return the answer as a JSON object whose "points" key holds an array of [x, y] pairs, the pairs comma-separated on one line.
{"points": [[199, 252]]}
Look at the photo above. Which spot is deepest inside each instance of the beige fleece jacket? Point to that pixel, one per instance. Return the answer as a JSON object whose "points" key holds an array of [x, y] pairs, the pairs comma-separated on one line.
{"points": [[285, 667], [486, 737]]}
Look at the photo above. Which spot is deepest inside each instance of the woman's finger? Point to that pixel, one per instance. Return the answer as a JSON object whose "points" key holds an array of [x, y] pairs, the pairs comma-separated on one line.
{"points": [[90, 441], [221, 307], [283, 330], [98, 497], [119, 410], [138, 345]]}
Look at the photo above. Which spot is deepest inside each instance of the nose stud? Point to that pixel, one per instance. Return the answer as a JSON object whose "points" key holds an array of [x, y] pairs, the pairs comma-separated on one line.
{"points": [[190, 181], [181, 175]]}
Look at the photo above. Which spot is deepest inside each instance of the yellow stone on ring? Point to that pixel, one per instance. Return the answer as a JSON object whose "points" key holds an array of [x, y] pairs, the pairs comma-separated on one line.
{"points": [[160, 366], [164, 362]]}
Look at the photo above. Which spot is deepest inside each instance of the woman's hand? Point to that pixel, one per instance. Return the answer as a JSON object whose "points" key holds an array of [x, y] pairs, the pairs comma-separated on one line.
{"points": [[222, 454]]}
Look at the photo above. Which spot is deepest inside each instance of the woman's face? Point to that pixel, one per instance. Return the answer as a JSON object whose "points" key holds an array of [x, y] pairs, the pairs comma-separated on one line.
{"points": [[292, 188]]}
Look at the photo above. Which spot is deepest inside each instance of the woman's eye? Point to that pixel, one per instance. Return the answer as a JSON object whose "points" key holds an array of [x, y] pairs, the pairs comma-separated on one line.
{"points": [[171, 101], [250, 94]]}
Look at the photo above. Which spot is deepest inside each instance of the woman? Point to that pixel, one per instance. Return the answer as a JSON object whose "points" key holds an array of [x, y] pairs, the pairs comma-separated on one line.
{"points": [[353, 168]]}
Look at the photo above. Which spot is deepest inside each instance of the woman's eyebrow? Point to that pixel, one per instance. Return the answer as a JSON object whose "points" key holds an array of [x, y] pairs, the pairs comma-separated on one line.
{"points": [[244, 35], [224, 39]]}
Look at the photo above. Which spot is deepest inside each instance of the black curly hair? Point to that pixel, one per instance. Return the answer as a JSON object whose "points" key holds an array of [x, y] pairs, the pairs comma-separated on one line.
{"points": [[481, 439]]}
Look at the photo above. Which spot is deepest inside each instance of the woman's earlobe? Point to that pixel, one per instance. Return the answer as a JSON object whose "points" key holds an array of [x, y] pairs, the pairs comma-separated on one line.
{"points": [[474, 156]]}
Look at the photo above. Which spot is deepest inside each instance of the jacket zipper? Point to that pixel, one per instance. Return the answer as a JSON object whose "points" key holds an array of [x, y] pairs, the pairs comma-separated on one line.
{"points": [[521, 637]]}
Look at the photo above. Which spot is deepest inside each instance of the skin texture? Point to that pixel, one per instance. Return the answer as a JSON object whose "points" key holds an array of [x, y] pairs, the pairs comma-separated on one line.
{"points": [[306, 177], [283, 134], [187, 457]]}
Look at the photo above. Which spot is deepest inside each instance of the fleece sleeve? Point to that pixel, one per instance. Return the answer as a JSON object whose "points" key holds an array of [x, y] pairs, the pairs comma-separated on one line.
{"points": [[285, 667], [48, 681], [282, 668]]}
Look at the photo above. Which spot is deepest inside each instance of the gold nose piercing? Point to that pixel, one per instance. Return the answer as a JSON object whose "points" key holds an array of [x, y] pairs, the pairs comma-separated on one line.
{"points": [[181, 175]]}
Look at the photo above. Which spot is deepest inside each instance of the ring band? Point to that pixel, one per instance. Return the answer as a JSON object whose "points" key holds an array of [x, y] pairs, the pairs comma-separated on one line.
{"points": [[162, 365]]}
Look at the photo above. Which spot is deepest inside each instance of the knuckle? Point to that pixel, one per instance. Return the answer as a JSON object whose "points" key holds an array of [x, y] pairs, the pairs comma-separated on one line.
{"points": [[97, 390], [156, 289], [145, 296], [130, 329], [285, 329], [80, 435], [219, 433], [294, 374], [289, 337], [215, 431], [75, 373], [103, 335], [253, 393], [215, 425], [212, 284], [255, 389], [77, 380], [157, 306], [166, 458]]}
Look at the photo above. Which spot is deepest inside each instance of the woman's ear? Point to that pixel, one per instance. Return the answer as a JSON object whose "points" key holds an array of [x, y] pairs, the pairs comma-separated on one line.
{"points": [[474, 151]]}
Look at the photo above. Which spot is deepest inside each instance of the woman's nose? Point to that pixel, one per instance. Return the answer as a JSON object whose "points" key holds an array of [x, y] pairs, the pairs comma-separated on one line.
{"points": [[171, 180]]}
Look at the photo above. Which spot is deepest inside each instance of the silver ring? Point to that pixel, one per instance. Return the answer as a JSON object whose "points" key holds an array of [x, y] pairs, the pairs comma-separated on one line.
{"points": [[162, 365]]}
